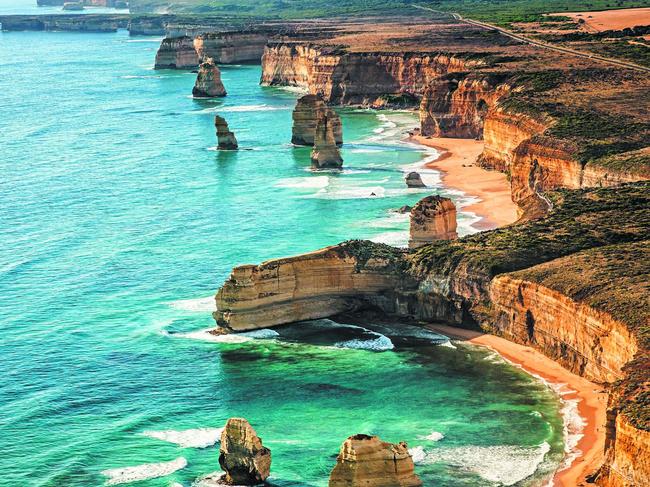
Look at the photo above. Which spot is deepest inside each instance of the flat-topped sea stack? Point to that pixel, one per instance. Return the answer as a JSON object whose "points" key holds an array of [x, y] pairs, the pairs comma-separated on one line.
{"points": [[326, 154], [432, 218], [176, 53], [309, 109], [366, 461], [414, 180], [208, 81], [232, 47], [242, 456], [225, 138]]}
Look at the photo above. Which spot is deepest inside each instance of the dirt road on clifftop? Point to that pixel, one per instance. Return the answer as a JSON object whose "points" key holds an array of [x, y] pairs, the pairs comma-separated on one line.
{"points": [[533, 42]]}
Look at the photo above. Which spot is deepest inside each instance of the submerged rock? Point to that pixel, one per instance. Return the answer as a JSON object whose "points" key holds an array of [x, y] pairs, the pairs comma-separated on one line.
{"points": [[404, 209], [369, 462], [432, 218], [243, 457], [225, 138], [414, 180], [325, 153], [309, 109], [208, 81]]}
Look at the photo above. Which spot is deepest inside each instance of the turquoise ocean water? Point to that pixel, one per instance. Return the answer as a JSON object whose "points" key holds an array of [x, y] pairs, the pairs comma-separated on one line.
{"points": [[119, 221]]}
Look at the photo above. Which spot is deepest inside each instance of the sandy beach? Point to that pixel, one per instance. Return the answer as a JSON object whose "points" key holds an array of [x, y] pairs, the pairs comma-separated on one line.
{"points": [[592, 398], [459, 171]]}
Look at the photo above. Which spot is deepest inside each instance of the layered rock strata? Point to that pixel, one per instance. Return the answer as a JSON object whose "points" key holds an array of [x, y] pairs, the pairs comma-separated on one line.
{"points": [[414, 180], [309, 110], [325, 153], [309, 286], [432, 218], [176, 53], [208, 81], [354, 78], [242, 456], [232, 47], [225, 138], [367, 461]]}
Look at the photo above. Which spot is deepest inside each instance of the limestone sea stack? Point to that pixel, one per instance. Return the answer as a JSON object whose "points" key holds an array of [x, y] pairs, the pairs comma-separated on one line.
{"points": [[243, 457], [225, 138], [208, 81], [369, 462], [432, 218], [325, 153], [309, 109], [414, 180]]}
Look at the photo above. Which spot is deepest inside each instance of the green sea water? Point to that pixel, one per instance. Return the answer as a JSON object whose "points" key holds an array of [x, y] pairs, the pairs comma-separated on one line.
{"points": [[119, 221]]}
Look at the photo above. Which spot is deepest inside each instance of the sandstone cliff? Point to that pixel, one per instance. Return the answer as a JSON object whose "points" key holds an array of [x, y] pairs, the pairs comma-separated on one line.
{"points": [[176, 53], [309, 286], [231, 47], [432, 218], [354, 78], [367, 461], [208, 81], [309, 109]]}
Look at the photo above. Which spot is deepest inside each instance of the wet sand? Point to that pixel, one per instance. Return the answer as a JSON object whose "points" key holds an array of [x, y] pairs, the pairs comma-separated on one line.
{"points": [[592, 398]]}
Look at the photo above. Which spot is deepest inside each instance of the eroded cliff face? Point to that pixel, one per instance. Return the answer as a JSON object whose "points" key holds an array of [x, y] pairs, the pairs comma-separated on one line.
{"points": [[308, 286], [432, 218], [177, 53], [453, 107], [231, 47], [354, 78], [584, 340]]}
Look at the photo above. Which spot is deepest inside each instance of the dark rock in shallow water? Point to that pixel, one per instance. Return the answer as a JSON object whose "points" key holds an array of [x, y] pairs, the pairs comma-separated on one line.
{"points": [[243, 457], [414, 180], [404, 209], [225, 138]]}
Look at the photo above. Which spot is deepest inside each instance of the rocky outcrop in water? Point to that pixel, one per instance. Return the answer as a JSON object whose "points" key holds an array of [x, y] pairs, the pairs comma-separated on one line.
{"points": [[432, 218], [367, 461], [225, 138], [208, 81], [326, 153], [414, 180], [176, 53], [242, 456], [309, 110]]}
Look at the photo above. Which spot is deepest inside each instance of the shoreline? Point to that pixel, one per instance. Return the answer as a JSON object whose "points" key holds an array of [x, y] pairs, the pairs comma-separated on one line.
{"points": [[591, 399], [457, 164]]}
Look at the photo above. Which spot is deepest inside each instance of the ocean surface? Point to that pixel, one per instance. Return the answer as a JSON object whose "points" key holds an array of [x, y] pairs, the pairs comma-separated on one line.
{"points": [[30, 7], [119, 221]]}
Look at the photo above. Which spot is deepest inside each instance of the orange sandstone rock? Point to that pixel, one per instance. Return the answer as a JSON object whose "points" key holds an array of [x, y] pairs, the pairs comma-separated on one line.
{"points": [[326, 153], [243, 457], [309, 109], [369, 462], [208, 81], [432, 218], [225, 138]]}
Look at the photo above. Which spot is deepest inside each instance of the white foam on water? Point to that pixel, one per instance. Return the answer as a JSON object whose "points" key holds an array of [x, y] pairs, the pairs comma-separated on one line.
{"points": [[433, 436], [191, 438], [242, 337], [447, 344], [145, 471], [253, 108], [197, 304], [503, 464], [350, 193], [133, 76], [379, 344], [293, 89], [417, 454], [313, 182]]}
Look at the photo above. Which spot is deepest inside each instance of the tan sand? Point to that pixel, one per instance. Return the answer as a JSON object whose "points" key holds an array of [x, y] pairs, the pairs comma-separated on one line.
{"points": [[592, 406], [611, 19], [458, 165]]}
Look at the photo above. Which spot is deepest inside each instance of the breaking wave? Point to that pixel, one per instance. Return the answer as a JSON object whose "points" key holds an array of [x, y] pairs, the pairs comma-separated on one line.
{"points": [[191, 438], [503, 464], [145, 471], [197, 304], [314, 182], [433, 436], [380, 343], [206, 336]]}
